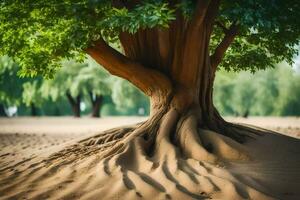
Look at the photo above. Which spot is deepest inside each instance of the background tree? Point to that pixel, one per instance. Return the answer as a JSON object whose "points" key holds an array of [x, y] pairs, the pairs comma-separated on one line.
{"points": [[129, 99], [32, 95], [94, 82], [61, 86], [269, 92], [11, 86], [223, 92], [244, 95]]}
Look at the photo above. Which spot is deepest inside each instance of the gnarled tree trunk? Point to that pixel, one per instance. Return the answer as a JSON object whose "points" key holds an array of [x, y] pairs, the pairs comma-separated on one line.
{"points": [[173, 67]]}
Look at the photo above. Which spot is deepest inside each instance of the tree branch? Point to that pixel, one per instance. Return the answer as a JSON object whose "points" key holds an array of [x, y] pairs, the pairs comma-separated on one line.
{"points": [[230, 34], [148, 80]]}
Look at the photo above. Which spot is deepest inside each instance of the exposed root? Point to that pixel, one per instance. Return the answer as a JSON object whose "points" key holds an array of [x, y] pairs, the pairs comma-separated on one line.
{"points": [[191, 143], [238, 132], [223, 147]]}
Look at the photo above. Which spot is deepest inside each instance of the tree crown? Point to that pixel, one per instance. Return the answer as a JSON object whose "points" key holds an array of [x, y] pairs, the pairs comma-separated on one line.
{"points": [[39, 34]]}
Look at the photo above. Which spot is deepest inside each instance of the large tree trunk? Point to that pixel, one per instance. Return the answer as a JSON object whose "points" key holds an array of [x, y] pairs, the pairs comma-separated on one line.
{"points": [[96, 104], [75, 104]]}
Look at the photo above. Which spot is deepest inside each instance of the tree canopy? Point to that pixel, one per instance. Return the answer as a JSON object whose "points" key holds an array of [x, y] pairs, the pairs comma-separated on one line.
{"points": [[128, 98], [39, 34], [270, 92], [77, 79]]}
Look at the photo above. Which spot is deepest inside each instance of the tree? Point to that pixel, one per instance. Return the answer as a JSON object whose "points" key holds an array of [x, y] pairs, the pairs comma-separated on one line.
{"points": [[76, 80], [223, 92], [32, 95], [11, 86], [61, 86], [171, 51], [128, 98], [288, 92], [269, 92], [94, 82]]}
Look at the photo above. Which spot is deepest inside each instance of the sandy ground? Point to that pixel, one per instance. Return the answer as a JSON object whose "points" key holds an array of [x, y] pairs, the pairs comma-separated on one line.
{"points": [[27, 137], [24, 140]]}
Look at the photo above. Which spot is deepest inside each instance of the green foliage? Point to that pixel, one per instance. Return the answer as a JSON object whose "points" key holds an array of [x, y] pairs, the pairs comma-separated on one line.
{"points": [[63, 81], [91, 78], [223, 90], [76, 78], [270, 92], [11, 88], [39, 34], [83, 79], [128, 98], [32, 93], [269, 32]]}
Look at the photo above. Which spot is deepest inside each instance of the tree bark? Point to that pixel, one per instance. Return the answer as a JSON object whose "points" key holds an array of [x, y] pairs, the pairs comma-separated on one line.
{"points": [[75, 104]]}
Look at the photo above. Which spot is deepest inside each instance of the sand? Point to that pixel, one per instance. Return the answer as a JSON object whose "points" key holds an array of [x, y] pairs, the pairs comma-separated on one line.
{"points": [[266, 168]]}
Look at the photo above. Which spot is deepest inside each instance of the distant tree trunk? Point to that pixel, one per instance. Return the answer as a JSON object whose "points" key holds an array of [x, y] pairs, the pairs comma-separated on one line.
{"points": [[246, 113], [2, 111], [96, 104], [75, 104], [33, 110]]}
